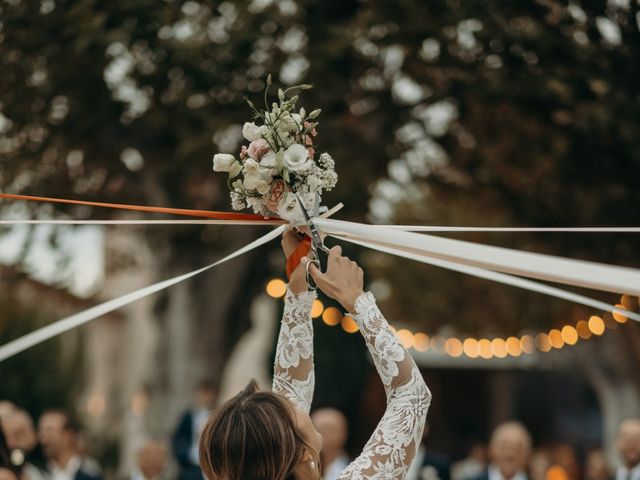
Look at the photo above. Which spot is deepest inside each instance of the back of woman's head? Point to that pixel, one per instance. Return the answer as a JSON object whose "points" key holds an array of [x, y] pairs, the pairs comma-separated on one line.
{"points": [[253, 436]]}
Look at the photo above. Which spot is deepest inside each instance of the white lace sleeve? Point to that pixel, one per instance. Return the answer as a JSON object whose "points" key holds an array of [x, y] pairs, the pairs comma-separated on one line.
{"points": [[293, 375], [389, 451]]}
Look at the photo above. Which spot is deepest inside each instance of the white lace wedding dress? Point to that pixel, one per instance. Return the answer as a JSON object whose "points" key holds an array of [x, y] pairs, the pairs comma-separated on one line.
{"points": [[388, 453]]}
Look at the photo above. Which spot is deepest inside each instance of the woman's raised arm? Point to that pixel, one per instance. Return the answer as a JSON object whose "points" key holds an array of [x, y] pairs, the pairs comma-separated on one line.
{"points": [[293, 375], [389, 451]]}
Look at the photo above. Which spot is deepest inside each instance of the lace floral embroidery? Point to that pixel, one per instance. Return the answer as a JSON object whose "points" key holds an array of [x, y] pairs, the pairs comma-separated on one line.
{"points": [[293, 370], [389, 451]]}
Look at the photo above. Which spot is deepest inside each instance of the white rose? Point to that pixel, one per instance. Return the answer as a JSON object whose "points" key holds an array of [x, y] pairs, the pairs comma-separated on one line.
{"points": [[250, 182], [296, 158], [263, 186], [251, 131], [222, 162], [256, 177], [268, 160], [251, 167]]}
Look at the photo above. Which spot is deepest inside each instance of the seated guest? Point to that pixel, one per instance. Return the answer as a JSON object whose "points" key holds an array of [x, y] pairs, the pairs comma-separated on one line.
{"points": [[187, 435], [332, 425], [628, 445], [472, 465], [151, 461], [58, 434], [509, 452], [597, 466], [22, 442]]}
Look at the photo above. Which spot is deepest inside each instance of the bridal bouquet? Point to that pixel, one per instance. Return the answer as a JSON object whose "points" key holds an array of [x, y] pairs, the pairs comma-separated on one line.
{"points": [[279, 161]]}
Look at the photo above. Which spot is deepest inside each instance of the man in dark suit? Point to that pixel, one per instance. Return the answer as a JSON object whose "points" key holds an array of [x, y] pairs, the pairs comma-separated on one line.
{"points": [[509, 452], [628, 444], [58, 433], [184, 441]]}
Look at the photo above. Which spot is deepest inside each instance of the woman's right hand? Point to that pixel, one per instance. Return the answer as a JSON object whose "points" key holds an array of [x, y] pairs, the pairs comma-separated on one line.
{"points": [[343, 281], [290, 241]]}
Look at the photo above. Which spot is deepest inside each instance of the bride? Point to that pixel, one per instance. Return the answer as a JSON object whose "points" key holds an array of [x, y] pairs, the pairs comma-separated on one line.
{"points": [[261, 435]]}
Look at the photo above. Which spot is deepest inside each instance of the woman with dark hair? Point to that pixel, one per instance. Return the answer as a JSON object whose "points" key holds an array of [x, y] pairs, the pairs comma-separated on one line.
{"points": [[259, 435]]}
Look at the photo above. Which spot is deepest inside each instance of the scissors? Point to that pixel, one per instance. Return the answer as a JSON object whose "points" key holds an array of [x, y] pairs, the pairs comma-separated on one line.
{"points": [[316, 240]]}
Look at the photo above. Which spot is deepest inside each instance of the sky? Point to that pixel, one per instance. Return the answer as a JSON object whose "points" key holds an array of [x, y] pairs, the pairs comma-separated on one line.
{"points": [[83, 246]]}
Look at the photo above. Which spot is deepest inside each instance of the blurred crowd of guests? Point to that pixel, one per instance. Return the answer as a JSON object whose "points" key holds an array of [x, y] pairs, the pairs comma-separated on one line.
{"points": [[53, 450]]}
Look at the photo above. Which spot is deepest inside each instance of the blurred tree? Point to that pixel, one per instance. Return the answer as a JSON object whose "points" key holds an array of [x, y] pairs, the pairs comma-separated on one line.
{"points": [[47, 376]]}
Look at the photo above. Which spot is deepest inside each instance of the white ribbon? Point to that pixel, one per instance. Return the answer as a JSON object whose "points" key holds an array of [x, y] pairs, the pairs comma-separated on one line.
{"points": [[31, 339], [497, 277], [435, 228], [140, 222], [533, 265]]}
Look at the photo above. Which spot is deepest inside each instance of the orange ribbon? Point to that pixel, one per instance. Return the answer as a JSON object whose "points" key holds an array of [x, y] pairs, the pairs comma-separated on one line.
{"points": [[142, 208], [294, 259]]}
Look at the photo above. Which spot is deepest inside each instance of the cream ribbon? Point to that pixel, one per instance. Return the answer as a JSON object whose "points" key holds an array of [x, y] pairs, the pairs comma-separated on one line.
{"points": [[496, 277], [579, 273], [31, 339]]}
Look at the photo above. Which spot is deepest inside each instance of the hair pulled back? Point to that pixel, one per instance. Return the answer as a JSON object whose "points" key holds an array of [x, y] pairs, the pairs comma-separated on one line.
{"points": [[252, 436]]}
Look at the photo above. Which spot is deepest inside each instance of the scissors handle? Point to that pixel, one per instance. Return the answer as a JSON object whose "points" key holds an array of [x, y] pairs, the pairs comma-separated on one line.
{"points": [[316, 261]]}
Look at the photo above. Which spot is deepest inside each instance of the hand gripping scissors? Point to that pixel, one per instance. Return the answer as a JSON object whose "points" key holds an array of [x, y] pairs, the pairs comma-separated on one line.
{"points": [[316, 240]]}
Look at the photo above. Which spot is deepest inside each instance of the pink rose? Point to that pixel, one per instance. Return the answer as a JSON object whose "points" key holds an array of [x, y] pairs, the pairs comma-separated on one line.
{"points": [[243, 152], [258, 148], [312, 152], [308, 140], [273, 197]]}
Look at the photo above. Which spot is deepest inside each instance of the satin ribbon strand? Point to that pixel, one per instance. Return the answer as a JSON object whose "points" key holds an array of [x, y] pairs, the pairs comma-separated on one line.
{"points": [[40, 335], [140, 222], [144, 208], [550, 268], [435, 228], [495, 276]]}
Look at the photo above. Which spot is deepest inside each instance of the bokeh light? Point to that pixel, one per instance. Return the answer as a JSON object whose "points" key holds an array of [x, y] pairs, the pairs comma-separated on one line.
{"points": [[513, 347], [317, 308], [569, 335], [331, 316], [421, 342], [484, 348], [555, 338], [453, 347], [542, 342], [276, 288], [470, 347], [405, 337], [596, 325], [349, 325], [583, 330], [620, 317]]}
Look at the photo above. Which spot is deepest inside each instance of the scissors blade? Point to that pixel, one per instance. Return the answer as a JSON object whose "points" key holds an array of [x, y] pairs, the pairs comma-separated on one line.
{"points": [[316, 205], [315, 235]]}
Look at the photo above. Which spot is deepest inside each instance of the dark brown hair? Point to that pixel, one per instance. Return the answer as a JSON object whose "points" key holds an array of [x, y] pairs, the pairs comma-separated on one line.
{"points": [[253, 436], [69, 421]]}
